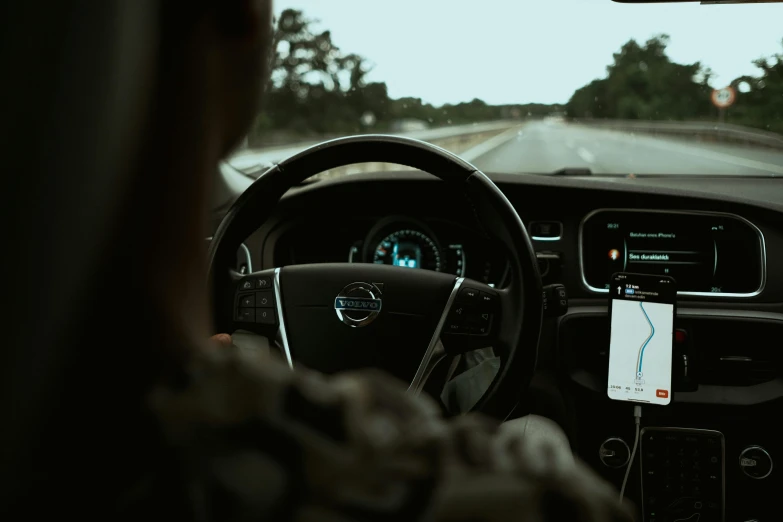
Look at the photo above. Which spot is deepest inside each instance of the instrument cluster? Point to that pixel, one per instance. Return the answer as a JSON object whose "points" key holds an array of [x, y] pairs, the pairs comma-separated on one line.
{"points": [[410, 243]]}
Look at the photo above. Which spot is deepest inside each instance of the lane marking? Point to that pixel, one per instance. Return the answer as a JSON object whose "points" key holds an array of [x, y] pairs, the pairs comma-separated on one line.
{"points": [[585, 155], [727, 158], [694, 150], [482, 148]]}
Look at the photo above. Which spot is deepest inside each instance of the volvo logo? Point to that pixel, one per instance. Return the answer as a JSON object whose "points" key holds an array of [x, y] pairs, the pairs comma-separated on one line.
{"points": [[358, 304]]}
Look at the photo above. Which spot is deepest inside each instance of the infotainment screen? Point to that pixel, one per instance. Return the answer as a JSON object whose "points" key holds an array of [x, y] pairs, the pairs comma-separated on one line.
{"points": [[716, 254]]}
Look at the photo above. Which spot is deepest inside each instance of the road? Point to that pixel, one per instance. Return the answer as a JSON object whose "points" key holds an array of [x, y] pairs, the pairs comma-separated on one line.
{"points": [[251, 159], [547, 146]]}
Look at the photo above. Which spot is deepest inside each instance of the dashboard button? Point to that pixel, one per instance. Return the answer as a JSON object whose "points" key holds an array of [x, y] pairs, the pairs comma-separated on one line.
{"points": [[247, 301], [247, 284], [755, 462], [546, 230], [264, 283]]}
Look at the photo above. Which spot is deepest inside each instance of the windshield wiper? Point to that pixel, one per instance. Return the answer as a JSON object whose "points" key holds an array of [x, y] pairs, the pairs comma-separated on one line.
{"points": [[573, 171]]}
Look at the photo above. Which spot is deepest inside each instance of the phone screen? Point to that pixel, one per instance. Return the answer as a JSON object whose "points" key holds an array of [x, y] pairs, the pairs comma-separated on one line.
{"points": [[641, 309]]}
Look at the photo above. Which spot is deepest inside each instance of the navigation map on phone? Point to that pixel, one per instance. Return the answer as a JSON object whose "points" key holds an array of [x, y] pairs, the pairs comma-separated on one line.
{"points": [[640, 348]]}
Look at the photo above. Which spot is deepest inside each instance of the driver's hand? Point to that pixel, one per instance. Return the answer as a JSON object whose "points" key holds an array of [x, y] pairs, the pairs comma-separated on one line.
{"points": [[222, 340]]}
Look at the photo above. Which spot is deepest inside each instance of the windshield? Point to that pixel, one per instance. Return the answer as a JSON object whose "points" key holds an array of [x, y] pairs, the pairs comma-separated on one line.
{"points": [[532, 86]]}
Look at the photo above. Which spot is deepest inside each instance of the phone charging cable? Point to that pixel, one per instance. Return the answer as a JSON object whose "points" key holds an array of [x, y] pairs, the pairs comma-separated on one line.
{"points": [[637, 415]]}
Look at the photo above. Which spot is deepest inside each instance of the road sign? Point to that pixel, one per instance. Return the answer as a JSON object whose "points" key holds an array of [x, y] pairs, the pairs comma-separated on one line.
{"points": [[723, 98]]}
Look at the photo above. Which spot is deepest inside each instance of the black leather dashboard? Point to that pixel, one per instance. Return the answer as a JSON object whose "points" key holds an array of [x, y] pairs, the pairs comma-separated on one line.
{"points": [[342, 210]]}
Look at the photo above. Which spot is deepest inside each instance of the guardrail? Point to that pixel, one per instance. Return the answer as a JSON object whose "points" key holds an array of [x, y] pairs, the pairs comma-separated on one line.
{"points": [[260, 159], [719, 132]]}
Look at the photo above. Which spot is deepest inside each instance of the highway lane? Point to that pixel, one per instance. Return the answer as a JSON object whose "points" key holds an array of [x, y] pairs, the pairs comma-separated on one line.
{"points": [[544, 147], [250, 159]]}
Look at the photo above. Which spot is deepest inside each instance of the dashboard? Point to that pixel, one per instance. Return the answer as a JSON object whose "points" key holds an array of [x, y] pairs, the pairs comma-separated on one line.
{"points": [[710, 254], [721, 239], [406, 241]]}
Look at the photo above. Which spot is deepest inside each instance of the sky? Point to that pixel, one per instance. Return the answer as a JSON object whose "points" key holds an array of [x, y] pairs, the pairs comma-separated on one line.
{"points": [[522, 51]]}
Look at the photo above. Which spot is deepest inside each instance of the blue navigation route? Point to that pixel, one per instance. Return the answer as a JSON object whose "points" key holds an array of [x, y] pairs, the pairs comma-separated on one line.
{"points": [[641, 350]]}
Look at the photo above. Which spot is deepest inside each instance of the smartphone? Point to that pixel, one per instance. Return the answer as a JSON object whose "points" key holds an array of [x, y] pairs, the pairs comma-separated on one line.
{"points": [[641, 339]]}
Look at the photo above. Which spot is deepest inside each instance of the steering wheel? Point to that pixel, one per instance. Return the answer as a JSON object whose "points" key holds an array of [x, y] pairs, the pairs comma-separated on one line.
{"points": [[334, 317]]}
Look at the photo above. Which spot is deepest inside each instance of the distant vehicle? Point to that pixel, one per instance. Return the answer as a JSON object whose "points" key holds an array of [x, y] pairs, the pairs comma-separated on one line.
{"points": [[409, 124], [555, 117]]}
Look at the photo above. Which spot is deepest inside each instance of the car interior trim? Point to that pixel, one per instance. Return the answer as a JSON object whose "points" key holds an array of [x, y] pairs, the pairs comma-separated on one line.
{"points": [[545, 238], [435, 349], [249, 262], [245, 251], [621, 441], [707, 313], [282, 334], [760, 234]]}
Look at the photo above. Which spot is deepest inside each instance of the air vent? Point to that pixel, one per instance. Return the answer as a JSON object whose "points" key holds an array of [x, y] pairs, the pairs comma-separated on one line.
{"points": [[724, 351], [738, 352], [738, 370]]}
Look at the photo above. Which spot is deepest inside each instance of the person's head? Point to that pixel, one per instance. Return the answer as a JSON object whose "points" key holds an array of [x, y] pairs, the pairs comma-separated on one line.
{"points": [[212, 67], [115, 115], [220, 49]]}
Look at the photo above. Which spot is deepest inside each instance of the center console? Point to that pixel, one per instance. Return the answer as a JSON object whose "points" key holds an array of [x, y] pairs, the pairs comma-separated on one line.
{"points": [[709, 455], [683, 475]]}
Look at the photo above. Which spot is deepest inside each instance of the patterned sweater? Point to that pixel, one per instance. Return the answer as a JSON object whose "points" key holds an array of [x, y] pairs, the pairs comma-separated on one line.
{"points": [[255, 441]]}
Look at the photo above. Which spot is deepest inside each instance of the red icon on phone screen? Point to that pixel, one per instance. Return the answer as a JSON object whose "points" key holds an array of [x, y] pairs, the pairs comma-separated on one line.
{"points": [[663, 394]]}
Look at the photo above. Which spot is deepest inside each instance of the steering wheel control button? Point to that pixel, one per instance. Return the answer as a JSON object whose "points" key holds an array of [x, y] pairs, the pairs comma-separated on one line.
{"points": [[614, 453], [555, 300], [265, 299], [479, 329], [265, 316], [247, 284], [264, 283], [488, 300], [479, 323], [755, 462], [455, 326], [247, 301], [468, 320], [246, 315], [469, 295], [358, 304]]}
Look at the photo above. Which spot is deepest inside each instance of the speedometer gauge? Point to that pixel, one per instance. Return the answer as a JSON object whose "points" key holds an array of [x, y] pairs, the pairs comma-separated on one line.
{"points": [[409, 249]]}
